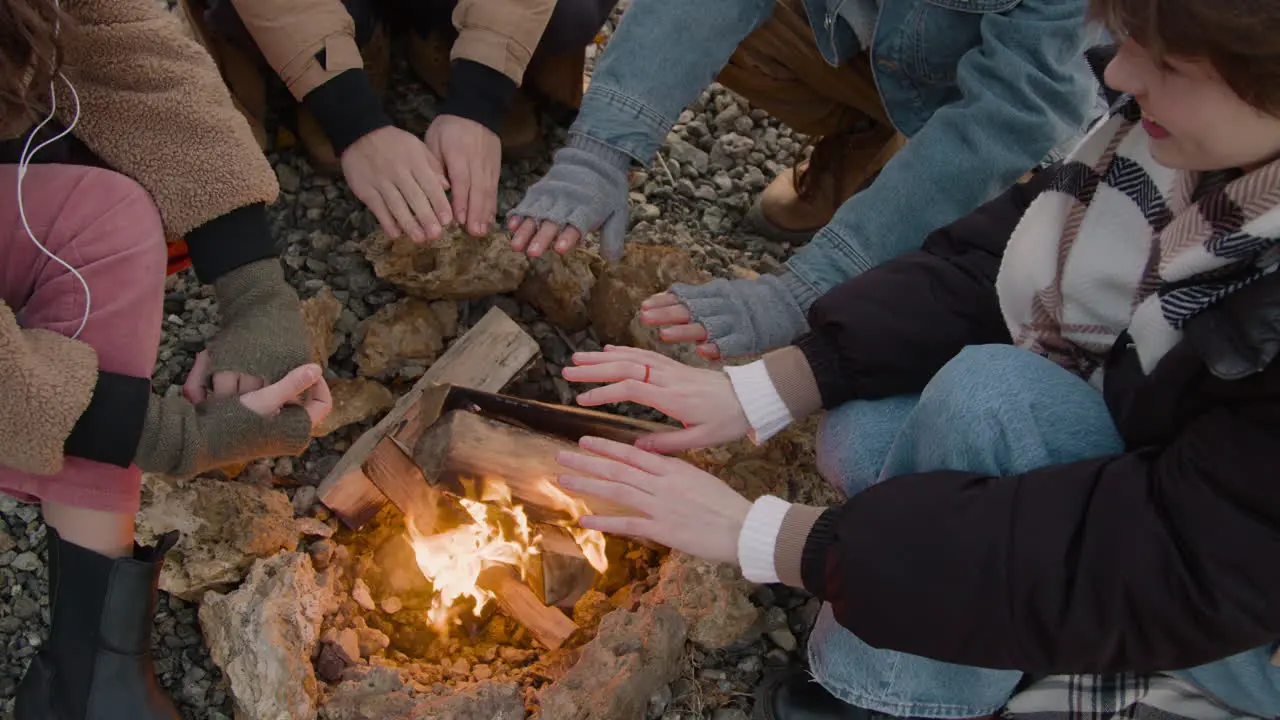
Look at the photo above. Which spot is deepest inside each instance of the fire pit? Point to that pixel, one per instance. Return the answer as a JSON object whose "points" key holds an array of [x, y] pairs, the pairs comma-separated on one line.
{"points": [[468, 557]]}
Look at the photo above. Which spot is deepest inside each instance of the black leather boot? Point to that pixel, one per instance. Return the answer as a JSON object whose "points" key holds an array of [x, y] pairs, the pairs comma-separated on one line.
{"points": [[96, 664], [795, 695]]}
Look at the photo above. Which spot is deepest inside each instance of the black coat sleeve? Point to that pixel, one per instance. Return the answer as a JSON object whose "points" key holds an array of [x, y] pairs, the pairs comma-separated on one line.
{"points": [[1154, 559], [887, 331]]}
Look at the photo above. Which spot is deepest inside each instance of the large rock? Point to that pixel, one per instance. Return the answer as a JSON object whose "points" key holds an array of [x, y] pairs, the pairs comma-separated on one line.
{"points": [[632, 656], [381, 695], [320, 313], [225, 527], [354, 400], [485, 701], [714, 599], [456, 267], [643, 271], [560, 286], [404, 333], [263, 636]]}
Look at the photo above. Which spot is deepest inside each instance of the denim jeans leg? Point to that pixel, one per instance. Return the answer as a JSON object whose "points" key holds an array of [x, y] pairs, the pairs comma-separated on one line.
{"points": [[992, 409], [1247, 681], [854, 440]]}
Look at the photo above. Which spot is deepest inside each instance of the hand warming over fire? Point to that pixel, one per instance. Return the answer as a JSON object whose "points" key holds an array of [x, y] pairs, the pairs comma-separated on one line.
{"points": [[685, 508], [704, 400]]}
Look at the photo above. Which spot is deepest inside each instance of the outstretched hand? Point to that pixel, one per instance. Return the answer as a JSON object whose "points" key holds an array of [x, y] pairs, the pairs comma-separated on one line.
{"points": [[704, 400], [665, 311], [401, 181], [683, 507]]}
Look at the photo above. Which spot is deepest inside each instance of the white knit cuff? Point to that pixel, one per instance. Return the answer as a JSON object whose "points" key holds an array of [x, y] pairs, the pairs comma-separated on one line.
{"points": [[760, 400], [759, 538]]}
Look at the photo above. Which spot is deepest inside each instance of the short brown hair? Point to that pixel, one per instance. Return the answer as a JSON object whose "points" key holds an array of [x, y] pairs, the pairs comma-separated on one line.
{"points": [[1239, 38], [30, 54]]}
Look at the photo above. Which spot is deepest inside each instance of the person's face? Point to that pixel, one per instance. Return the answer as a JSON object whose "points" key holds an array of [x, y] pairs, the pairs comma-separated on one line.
{"points": [[1194, 120]]}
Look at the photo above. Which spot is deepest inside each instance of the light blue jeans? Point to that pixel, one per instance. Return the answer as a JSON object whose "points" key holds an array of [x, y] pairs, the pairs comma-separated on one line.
{"points": [[992, 409]]}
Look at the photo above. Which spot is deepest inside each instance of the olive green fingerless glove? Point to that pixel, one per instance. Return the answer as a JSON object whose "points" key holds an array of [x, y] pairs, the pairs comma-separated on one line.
{"points": [[262, 331], [182, 439]]}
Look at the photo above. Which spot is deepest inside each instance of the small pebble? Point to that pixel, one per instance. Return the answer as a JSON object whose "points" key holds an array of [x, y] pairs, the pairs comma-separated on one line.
{"points": [[783, 638], [360, 593], [392, 605], [26, 562]]}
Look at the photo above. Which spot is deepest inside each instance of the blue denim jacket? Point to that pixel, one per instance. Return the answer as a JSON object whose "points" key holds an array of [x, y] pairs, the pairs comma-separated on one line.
{"points": [[984, 89]]}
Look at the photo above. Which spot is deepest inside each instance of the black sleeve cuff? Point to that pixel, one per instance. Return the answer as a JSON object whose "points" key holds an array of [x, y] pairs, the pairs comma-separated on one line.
{"points": [[478, 92], [835, 386], [230, 241], [347, 108], [110, 429], [813, 558]]}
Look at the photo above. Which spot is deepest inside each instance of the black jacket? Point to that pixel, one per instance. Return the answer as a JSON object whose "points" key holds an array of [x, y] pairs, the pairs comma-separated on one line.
{"points": [[1163, 557]]}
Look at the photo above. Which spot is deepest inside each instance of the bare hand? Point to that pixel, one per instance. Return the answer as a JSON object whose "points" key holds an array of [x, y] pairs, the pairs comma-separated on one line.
{"points": [[199, 384], [685, 508], [266, 400], [704, 400], [530, 237], [665, 310], [401, 181], [472, 156], [304, 386]]}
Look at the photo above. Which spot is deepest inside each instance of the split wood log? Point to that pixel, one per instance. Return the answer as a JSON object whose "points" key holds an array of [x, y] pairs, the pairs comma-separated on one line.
{"points": [[548, 625], [561, 574], [487, 357], [467, 454]]}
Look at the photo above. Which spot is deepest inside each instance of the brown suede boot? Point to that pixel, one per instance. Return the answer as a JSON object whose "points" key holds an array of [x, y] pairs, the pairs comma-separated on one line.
{"points": [[801, 200], [377, 64], [429, 59]]}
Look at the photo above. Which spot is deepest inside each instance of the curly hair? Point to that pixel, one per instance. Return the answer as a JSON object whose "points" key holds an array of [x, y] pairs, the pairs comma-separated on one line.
{"points": [[30, 55], [1239, 38]]}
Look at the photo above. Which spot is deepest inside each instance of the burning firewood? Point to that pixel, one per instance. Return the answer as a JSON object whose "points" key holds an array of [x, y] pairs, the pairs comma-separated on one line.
{"points": [[464, 453], [548, 625], [561, 572]]}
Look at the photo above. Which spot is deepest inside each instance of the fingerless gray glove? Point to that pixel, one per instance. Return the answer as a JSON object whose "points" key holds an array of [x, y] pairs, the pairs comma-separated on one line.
{"points": [[262, 331], [749, 317], [586, 188], [182, 439]]}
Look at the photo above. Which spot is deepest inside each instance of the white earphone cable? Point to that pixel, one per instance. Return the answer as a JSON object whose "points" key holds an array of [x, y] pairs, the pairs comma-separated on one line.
{"points": [[24, 159]]}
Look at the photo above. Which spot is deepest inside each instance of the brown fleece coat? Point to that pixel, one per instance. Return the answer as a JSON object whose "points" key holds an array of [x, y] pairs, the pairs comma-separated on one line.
{"points": [[46, 380], [153, 107], [501, 34]]}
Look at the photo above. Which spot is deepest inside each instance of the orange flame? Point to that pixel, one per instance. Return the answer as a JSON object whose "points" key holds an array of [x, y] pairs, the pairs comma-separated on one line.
{"points": [[453, 560]]}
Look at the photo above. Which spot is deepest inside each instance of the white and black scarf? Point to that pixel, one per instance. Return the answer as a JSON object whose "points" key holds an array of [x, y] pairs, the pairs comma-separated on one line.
{"points": [[1119, 242]]}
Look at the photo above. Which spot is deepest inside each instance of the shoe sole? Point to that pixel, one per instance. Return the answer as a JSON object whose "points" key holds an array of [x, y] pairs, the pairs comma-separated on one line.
{"points": [[761, 225]]}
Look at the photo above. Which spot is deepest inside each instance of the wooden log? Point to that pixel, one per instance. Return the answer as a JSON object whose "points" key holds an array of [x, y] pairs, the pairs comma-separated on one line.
{"points": [[560, 574], [548, 625], [487, 357], [467, 454]]}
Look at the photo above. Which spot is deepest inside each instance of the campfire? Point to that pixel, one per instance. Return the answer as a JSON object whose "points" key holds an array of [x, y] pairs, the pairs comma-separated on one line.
{"points": [[496, 553], [473, 474]]}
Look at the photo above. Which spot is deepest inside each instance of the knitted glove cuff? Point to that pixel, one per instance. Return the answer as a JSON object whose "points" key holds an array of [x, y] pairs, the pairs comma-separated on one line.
{"points": [[182, 439], [744, 317], [262, 332], [608, 154]]}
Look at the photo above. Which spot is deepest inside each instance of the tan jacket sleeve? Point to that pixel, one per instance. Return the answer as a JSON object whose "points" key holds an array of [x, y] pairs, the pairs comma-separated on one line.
{"points": [[46, 382], [501, 34], [153, 107], [292, 33]]}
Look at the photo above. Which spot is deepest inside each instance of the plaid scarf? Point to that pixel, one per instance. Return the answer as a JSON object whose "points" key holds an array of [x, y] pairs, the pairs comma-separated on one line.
{"points": [[1117, 697], [1119, 242]]}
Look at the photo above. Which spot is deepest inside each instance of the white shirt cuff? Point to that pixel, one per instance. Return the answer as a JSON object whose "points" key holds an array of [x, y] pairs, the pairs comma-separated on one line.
{"points": [[759, 538], [759, 399]]}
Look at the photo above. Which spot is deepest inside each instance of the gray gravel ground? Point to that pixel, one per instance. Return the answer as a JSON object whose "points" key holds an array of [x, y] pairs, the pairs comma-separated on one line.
{"points": [[721, 153]]}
